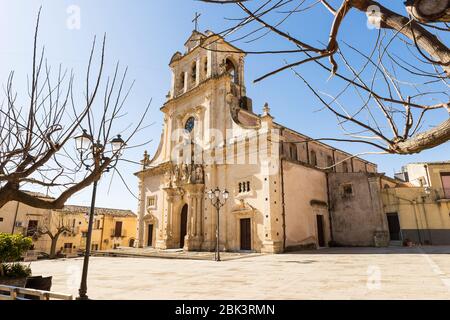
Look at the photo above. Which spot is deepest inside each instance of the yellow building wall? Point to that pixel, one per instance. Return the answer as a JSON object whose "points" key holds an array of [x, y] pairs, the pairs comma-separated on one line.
{"points": [[421, 215], [129, 227], [78, 223]]}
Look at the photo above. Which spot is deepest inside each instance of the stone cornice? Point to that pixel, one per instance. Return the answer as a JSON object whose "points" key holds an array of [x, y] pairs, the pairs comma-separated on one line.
{"points": [[153, 171], [193, 90]]}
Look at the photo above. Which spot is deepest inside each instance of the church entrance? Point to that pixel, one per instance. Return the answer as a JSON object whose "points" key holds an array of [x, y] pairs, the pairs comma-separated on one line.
{"points": [[150, 235], [183, 224], [246, 236], [320, 230]]}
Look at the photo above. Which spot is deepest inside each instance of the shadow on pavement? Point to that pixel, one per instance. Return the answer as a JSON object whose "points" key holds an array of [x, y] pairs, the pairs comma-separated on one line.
{"points": [[373, 250]]}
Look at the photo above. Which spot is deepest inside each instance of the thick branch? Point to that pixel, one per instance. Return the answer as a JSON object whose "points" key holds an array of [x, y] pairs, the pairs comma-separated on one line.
{"points": [[411, 29]]}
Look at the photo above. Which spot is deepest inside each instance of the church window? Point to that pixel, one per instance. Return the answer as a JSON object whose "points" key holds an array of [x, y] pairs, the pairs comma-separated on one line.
{"points": [[151, 201], [313, 158], [194, 72], [205, 66], [189, 126], [345, 166], [231, 69], [330, 161], [293, 151], [244, 187], [181, 80], [347, 189]]}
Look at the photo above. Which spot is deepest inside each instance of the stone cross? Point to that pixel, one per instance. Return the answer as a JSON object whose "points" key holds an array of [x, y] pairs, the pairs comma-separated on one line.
{"points": [[197, 16]]}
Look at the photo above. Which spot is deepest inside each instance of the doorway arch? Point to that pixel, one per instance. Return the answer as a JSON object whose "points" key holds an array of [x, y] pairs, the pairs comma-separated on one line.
{"points": [[183, 224]]}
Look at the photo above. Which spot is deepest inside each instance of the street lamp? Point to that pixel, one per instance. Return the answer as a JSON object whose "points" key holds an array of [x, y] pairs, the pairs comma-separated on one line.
{"points": [[218, 199], [92, 154]]}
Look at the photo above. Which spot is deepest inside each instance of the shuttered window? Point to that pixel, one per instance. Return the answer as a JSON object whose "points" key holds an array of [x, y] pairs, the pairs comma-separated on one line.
{"points": [[445, 177]]}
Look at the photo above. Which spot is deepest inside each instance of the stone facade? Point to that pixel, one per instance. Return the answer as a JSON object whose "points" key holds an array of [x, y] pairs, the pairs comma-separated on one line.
{"points": [[356, 209], [276, 177]]}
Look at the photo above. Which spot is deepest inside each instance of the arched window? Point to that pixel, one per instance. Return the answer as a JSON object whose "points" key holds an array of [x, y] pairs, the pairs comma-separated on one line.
{"points": [[330, 162], [194, 72], [205, 66], [313, 158], [181, 82], [231, 69], [345, 166], [293, 151]]}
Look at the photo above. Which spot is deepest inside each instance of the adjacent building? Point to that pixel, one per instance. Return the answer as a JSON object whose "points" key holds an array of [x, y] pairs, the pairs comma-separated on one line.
{"points": [[369, 209], [419, 209], [112, 227]]}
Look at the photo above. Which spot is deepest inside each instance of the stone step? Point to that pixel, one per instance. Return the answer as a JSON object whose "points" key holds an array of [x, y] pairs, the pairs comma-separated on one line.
{"points": [[396, 243]]}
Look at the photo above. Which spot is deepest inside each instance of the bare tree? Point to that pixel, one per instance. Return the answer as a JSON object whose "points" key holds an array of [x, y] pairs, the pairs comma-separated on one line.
{"points": [[37, 148], [53, 226], [394, 86]]}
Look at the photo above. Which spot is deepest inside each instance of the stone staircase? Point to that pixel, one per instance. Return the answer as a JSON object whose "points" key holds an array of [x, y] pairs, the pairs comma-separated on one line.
{"points": [[395, 243]]}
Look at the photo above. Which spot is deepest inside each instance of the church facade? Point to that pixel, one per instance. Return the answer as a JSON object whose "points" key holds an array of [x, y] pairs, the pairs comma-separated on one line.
{"points": [[276, 177]]}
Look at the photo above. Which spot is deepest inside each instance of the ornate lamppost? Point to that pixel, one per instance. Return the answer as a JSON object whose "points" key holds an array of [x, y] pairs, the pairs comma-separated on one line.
{"points": [[218, 199], [92, 155]]}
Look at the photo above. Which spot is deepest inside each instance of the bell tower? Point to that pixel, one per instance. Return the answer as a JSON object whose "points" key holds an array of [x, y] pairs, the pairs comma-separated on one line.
{"points": [[205, 78], [206, 56]]}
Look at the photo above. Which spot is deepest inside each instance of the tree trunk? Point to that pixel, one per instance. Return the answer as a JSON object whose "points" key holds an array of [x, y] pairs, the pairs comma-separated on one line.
{"points": [[53, 247], [429, 10]]}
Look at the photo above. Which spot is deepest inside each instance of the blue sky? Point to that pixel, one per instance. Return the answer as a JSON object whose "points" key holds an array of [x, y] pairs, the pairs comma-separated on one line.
{"points": [[143, 35]]}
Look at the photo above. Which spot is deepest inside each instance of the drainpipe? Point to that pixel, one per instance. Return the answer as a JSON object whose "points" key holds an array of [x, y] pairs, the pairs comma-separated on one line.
{"points": [[426, 219], [417, 221], [103, 229], [329, 206], [428, 175], [283, 210], [15, 217], [307, 153]]}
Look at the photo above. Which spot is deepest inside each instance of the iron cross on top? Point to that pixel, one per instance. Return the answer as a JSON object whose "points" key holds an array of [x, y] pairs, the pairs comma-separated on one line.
{"points": [[195, 20]]}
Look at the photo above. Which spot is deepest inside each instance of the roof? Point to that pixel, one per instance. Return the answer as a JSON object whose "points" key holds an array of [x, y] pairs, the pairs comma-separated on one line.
{"points": [[433, 162], [201, 36], [98, 211], [323, 144]]}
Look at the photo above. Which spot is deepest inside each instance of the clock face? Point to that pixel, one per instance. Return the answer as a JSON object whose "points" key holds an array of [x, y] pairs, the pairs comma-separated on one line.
{"points": [[189, 126]]}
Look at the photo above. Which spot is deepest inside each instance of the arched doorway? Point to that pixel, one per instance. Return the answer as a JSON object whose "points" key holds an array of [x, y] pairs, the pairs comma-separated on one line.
{"points": [[232, 70], [183, 224]]}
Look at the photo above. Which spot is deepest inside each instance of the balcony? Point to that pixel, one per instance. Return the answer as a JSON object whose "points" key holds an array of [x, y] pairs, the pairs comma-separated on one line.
{"points": [[443, 194], [118, 233]]}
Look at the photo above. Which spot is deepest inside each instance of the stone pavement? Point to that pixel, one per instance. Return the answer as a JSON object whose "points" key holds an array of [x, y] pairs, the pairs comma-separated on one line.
{"points": [[336, 273], [172, 254]]}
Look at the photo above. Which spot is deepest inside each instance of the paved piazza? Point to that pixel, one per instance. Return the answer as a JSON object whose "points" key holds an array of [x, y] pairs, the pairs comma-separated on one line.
{"points": [[338, 273]]}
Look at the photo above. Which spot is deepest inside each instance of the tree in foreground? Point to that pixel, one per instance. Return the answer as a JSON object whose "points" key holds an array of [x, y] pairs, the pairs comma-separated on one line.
{"points": [[36, 139], [12, 247], [393, 87]]}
